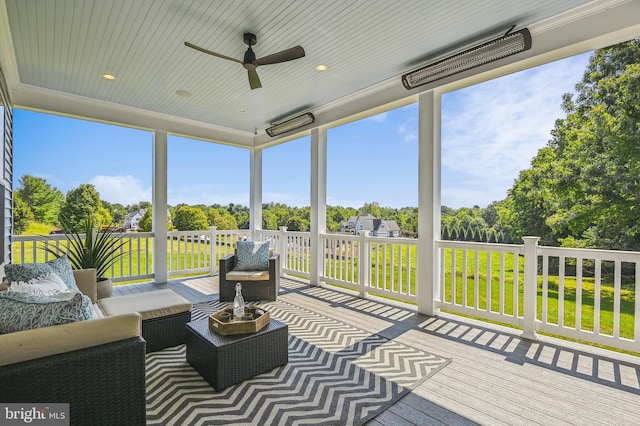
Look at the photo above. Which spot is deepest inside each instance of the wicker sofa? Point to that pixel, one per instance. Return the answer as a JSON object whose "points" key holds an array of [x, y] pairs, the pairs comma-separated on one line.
{"points": [[97, 366]]}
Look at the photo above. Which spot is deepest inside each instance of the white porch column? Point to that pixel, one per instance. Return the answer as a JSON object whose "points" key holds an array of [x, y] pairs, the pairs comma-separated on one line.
{"points": [[255, 193], [530, 287], [428, 264], [318, 201], [159, 206]]}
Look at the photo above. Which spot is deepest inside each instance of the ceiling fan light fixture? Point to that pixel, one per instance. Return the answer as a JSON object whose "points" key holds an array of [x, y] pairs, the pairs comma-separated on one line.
{"points": [[291, 124], [501, 47]]}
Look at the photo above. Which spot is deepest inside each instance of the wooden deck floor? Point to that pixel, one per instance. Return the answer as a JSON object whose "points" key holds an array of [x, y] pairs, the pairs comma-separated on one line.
{"points": [[495, 378]]}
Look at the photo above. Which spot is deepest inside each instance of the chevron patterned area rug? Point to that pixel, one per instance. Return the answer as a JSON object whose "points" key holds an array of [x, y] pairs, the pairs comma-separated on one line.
{"points": [[337, 375]]}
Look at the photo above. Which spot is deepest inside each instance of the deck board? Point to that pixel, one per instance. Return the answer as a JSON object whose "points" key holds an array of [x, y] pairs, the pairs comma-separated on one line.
{"points": [[495, 377]]}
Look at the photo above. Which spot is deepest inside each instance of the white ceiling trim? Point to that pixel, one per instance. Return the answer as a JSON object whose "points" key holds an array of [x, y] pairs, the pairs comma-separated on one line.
{"points": [[65, 104]]}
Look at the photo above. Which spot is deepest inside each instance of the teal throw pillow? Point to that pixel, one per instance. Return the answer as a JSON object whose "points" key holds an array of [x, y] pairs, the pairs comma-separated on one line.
{"points": [[30, 271], [23, 311], [252, 256]]}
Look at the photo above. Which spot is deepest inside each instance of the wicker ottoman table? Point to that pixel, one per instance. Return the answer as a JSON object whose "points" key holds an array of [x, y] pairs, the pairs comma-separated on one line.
{"points": [[226, 360], [164, 315]]}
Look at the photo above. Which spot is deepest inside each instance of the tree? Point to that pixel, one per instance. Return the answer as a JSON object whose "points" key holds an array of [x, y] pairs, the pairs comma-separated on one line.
{"points": [[583, 188], [42, 199], [296, 223], [190, 218], [227, 221], [22, 214], [82, 202], [269, 220], [146, 223], [371, 208], [117, 211]]}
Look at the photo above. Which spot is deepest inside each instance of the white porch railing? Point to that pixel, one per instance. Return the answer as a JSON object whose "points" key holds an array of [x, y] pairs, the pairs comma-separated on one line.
{"points": [[384, 266], [134, 264], [582, 294], [576, 293]]}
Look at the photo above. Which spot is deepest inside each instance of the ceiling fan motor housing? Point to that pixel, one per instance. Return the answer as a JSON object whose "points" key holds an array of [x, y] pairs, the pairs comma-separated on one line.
{"points": [[250, 39]]}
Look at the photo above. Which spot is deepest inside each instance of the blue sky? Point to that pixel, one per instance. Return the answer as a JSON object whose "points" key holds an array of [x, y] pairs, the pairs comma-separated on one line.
{"points": [[490, 132]]}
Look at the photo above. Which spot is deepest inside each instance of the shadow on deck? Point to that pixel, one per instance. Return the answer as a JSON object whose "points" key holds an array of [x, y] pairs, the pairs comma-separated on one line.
{"points": [[495, 376]]}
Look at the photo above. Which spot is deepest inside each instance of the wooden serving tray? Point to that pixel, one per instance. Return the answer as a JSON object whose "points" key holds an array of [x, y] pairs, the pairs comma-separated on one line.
{"points": [[260, 319]]}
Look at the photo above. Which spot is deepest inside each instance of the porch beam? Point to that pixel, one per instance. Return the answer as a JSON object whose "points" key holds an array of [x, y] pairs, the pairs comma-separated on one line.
{"points": [[428, 264], [255, 192], [159, 205], [318, 215]]}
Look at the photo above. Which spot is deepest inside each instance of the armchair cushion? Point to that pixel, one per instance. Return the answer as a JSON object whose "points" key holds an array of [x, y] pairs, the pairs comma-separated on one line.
{"points": [[252, 256], [248, 275]]}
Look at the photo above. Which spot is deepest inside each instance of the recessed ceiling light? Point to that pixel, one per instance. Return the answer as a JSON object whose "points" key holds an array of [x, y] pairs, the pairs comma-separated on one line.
{"points": [[242, 110], [183, 93], [321, 67], [109, 76]]}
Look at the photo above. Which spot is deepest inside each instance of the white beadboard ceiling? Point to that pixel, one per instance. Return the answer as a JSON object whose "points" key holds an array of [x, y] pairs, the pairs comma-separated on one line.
{"points": [[65, 46]]}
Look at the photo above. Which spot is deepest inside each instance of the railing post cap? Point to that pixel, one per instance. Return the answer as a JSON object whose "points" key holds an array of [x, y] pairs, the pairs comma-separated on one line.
{"points": [[283, 228], [531, 239]]}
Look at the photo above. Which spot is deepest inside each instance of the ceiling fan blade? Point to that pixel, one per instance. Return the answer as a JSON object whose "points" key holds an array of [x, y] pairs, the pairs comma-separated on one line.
{"points": [[254, 80], [203, 50], [283, 56]]}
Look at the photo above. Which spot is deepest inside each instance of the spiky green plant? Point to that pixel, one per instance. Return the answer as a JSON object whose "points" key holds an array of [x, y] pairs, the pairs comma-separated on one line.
{"points": [[100, 250]]}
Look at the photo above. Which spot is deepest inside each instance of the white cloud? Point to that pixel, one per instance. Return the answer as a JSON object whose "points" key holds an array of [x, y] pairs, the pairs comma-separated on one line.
{"points": [[491, 131], [378, 118], [121, 189], [408, 130]]}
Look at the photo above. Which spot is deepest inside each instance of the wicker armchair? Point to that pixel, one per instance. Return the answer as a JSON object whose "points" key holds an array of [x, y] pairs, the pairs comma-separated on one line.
{"points": [[256, 285]]}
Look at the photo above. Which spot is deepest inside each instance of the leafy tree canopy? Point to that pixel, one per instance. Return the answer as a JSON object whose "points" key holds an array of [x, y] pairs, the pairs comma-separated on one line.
{"points": [[42, 199], [22, 214], [82, 202], [190, 218], [583, 189]]}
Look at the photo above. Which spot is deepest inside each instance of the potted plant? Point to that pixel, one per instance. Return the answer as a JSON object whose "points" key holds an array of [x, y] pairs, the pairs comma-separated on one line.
{"points": [[98, 250]]}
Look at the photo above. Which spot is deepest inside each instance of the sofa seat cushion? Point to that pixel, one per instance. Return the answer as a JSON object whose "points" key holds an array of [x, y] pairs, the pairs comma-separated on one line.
{"points": [[236, 275], [42, 342], [154, 304]]}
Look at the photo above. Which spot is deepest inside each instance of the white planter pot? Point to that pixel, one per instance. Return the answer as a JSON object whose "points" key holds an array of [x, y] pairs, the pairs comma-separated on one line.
{"points": [[105, 288]]}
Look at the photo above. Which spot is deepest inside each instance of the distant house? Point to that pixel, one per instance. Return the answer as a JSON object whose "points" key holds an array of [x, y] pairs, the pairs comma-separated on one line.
{"points": [[368, 222], [132, 220]]}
